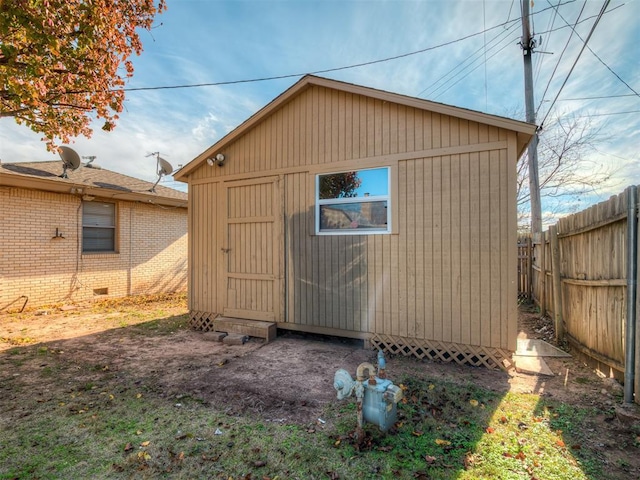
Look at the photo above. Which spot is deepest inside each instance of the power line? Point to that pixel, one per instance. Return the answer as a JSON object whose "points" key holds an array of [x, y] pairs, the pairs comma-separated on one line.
{"points": [[599, 59], [540, 58], [612, 113], [328, 70], [451, 85], [595, 24], [598, 97], [573, 30], [433, 89]]}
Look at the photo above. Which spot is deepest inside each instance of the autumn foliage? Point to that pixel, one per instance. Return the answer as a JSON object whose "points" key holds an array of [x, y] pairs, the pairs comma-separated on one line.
{"points": [[64, 63]]}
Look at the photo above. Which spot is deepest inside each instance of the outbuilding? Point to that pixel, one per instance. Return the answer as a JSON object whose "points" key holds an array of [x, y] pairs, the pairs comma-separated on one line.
{"points": [[345, 210]]}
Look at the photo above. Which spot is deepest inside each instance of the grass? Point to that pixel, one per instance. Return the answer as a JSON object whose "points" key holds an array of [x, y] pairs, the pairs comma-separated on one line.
{"points": [[104, 429], [87, 421]]}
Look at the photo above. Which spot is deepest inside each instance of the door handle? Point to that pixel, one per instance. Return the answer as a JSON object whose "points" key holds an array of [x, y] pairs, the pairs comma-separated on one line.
{"points": [[225, 250]]}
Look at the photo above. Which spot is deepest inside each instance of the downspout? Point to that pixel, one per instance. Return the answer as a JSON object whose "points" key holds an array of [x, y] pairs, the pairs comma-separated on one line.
{"points": [[632, 281]]}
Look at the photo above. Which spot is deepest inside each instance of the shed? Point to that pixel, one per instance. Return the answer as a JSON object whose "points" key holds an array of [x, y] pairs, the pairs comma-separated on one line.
{"points": [[345, 210], [95, 234]]}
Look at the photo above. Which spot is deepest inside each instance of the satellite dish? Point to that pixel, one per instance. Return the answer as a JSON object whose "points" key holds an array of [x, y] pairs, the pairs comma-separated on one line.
{"points": [[70, 159], [163, 167]]}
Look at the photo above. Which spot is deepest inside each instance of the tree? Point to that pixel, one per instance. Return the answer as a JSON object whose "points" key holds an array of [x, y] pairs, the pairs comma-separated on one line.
{"points": [[63, 63], [339, 185], [563, 165]]}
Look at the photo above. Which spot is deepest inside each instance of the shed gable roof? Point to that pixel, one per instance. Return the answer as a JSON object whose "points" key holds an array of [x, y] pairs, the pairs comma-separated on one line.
{"points": [[523, 130], [93, 181]]}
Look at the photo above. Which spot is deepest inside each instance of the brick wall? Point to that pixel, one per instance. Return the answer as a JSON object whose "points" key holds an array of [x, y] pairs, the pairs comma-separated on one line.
{"points": [[151, 244]]}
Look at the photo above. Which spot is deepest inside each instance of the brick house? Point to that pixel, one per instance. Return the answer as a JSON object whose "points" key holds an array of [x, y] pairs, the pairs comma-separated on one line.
{"points": [[94, 233]]}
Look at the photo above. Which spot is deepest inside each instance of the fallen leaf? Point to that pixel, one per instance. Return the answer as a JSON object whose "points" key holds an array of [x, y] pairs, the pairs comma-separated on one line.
{"points": [[429, 458], [503, 420], [417, 433], [139, 395], [128, 447], [520, 456], [145, 444], [439, 441], [337, 443], [431, 386], [144, 455], [259, 463], [560, 443], [474, 403], [490, 430]]}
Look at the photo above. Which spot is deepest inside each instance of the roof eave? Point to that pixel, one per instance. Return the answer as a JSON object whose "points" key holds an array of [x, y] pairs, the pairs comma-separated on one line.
{"points": [[44, 184]]}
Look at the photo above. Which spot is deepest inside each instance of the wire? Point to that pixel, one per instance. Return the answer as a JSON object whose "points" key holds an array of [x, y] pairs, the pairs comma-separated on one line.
{"points": [[328, 70], [443, 78], [451, 85], [559, 59], [540, 58], [598, 97], [612, 113], [599, 59], [595, 24]]}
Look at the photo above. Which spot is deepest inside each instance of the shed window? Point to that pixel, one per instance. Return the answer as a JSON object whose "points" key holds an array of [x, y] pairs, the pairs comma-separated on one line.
{"points": [[353, 203], [98, 227]]}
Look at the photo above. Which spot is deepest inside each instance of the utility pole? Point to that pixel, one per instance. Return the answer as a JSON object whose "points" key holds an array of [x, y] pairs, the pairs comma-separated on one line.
{"points": [[528, 44]]}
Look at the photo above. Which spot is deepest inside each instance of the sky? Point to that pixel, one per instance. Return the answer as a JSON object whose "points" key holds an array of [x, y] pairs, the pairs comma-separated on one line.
{"points": [[464, 53]]}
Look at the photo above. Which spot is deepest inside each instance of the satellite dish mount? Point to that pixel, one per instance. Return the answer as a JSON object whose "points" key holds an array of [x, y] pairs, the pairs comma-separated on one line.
{"points": [[162, 168], [70, 159]]}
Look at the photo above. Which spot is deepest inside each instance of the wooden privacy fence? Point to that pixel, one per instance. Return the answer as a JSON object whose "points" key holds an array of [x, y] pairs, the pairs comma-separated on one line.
{"points": [[584, 275], [525, 267]]}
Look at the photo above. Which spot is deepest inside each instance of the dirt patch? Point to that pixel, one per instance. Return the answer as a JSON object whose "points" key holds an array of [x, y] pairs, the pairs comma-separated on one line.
{"points": [[288, 380]]}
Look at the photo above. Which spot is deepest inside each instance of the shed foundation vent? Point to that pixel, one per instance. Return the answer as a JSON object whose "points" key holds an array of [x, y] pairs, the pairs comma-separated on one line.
{"points": [[476, 356], [202, 321]]}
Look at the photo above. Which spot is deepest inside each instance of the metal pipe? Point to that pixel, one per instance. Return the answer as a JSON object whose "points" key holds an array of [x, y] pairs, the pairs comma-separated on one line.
{"points": [[382, 365], [632, 281], [360, 372], [359, 391]]}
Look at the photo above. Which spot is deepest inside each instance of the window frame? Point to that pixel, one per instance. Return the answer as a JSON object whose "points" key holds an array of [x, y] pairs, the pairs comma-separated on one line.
{"points": [[318, 202], [113, 227]]}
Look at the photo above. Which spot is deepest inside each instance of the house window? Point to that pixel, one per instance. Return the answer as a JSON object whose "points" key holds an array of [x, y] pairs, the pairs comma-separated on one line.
{"points": [[98, 227], [353, 203]]}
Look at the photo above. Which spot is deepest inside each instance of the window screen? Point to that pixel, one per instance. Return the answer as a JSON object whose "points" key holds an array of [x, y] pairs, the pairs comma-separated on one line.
{"points": [[98, 227]]}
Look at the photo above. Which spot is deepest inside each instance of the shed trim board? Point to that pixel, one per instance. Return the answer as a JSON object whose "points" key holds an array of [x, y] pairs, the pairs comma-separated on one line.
{"points": [[372, 162], [441, 284]]}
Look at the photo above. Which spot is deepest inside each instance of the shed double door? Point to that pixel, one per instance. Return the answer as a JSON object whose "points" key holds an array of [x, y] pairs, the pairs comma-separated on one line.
{"points": [[252, 251]]}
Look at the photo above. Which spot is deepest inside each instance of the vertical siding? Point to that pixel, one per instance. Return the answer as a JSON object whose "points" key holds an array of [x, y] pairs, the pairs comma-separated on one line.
{"points": [[204, 291]]}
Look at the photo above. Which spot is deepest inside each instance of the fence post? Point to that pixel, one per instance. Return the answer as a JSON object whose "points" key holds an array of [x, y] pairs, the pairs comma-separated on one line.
{"points": [[557, 283], [542, 293], [529, 268], [632, 358]]}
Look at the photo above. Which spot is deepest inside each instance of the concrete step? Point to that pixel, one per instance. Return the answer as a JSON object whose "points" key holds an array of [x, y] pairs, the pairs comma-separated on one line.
{"points": [[531, 365], [252, 328]]}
